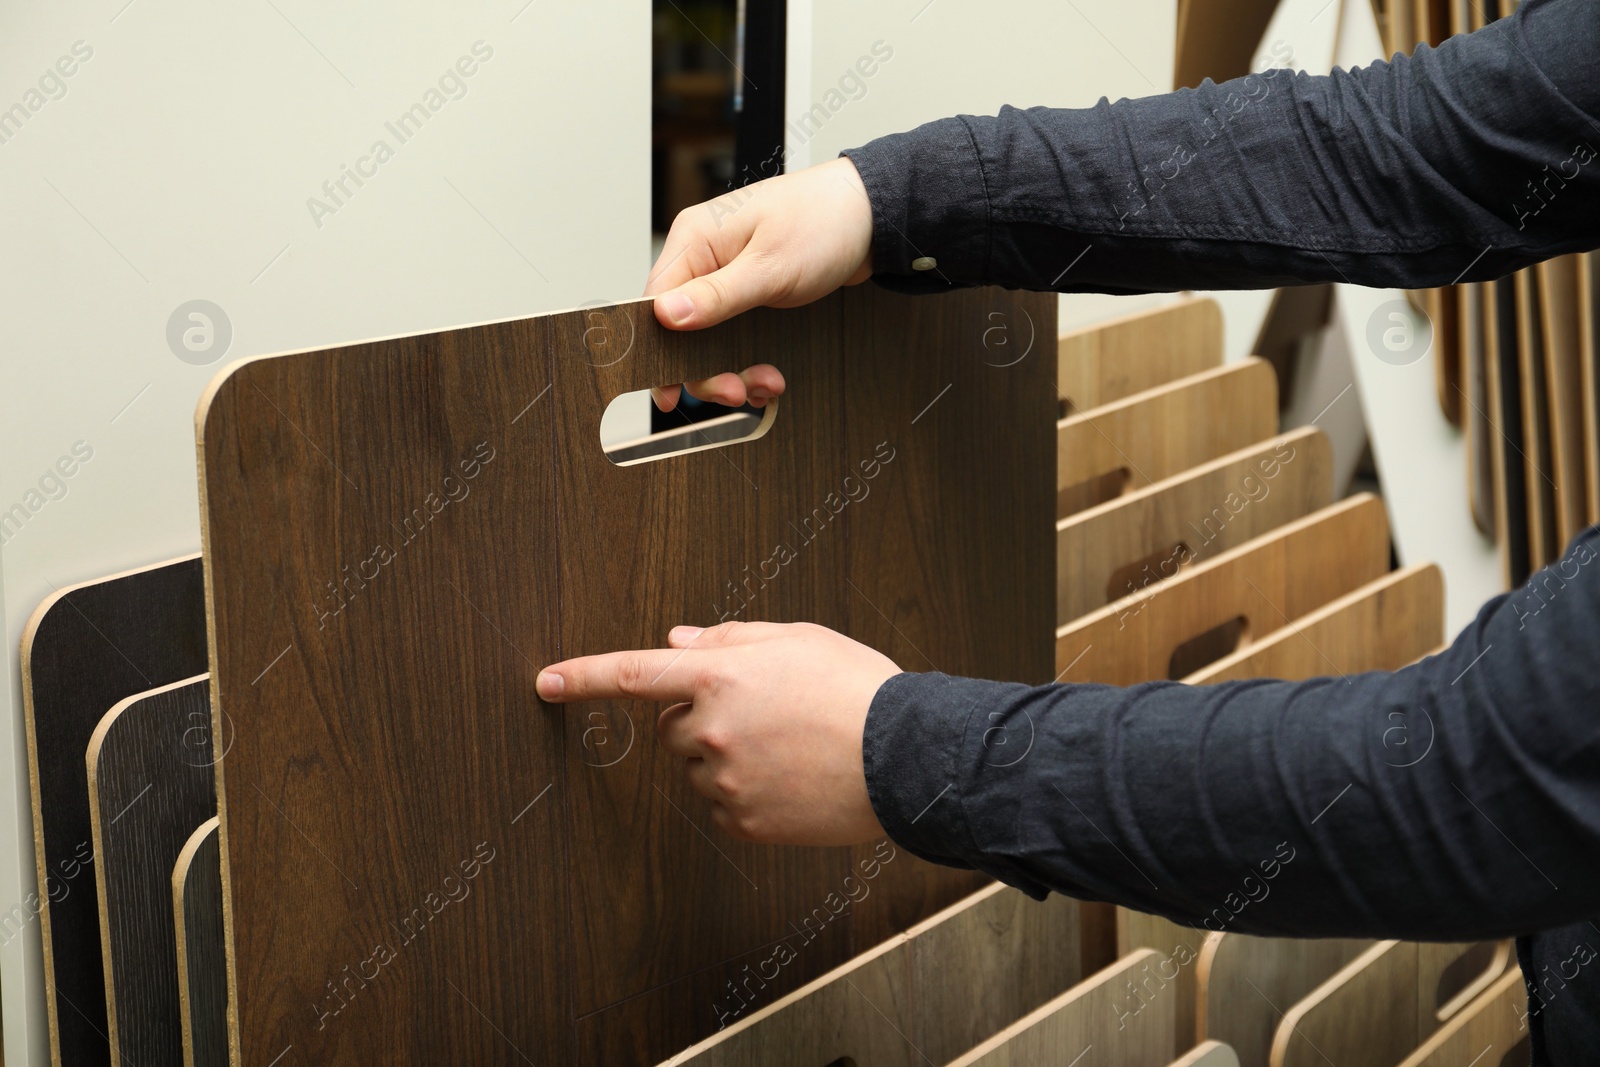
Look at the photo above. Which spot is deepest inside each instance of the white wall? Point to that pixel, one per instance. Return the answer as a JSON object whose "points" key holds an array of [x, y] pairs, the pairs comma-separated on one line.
{"points": [[178, 165]]}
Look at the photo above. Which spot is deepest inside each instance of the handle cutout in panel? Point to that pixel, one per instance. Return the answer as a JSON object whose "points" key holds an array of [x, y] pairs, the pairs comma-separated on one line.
{"points": [[627, 437], [1206, 648], [1158, 566], [1092, 492]]}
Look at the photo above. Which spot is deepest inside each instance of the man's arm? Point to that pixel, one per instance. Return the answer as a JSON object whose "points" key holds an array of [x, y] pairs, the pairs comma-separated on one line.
{"points": [[1458, 798], [1462, 162]]}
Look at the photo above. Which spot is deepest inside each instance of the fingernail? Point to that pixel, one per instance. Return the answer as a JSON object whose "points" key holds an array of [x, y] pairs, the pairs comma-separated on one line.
{"points": [[549, 685], [678, 306], [687, 633]]}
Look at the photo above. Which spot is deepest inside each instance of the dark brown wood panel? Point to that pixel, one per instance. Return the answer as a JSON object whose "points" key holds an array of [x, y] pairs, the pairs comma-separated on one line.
{"points": [[85, 648], [148, 787], [1543, 540], [399, 725], [200, 948], [1505, 412]]}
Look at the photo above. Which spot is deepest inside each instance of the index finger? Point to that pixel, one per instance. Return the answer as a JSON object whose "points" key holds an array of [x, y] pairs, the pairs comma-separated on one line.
{"points": [[644, 674]]}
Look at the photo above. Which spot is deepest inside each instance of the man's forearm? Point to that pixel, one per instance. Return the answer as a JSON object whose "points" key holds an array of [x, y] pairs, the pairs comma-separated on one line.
{"points": [[1455, 799], [1459, 163]]}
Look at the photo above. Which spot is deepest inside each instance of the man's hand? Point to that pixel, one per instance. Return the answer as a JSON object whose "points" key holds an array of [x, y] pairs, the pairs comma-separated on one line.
{"points": [[769, 717], [782, 242]]}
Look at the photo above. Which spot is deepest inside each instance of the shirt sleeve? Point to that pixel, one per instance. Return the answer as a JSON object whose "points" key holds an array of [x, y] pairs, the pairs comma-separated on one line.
{"points": [[1456, 799], [1458, 163]]}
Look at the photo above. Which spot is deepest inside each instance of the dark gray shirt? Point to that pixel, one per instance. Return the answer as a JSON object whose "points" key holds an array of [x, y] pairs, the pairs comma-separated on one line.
{"points": [[1456, 799]]}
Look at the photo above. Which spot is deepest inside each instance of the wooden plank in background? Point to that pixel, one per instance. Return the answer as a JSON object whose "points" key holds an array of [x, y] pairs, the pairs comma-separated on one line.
{"points": [[1150, 436], [1589, 375], [85, 648], [148, 789], [1244, 981], [400, 721], [1266, 583], [1490, 1030], [1115, 359], [1121, 546], [201, 950], [1208, 1054], [1540, 501], [913, 999], [1442, 306], [1382, 626], [1505, 412], [1475, 420], [1106, 1013], [1563, 374]]}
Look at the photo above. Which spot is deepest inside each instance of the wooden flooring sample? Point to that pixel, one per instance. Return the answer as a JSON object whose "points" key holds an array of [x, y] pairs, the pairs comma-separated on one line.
{"points": [[1170, 629], [1382, 626], [201, 951], [1179, 947], [85, 648], [1558, 319], [401, 533], [1443, 309], [1108, 1013], [148, 789], [1505, 411], [924, 996], [1489, 1032], [1126, 544], [1150, 436], [1543, 532], [1112, 360], [1246, 983]]}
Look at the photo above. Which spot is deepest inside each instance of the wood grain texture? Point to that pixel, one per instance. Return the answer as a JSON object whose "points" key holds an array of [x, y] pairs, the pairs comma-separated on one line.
{"points": [[1180, 955], [201, 952], [1162, 431], [1121, 1013], [1208, 1054], [1376, 1010], [1382, 626], [1116, 359], [913, 998], [400, 533], [1589, 374], [1443, 308], [1245, 982], [85, 648], [1269, 581], [1484, 1034], [1118, 547], [1476, 424], [1540, 487], [1560, 342], [148, 788], [1505, 412]]}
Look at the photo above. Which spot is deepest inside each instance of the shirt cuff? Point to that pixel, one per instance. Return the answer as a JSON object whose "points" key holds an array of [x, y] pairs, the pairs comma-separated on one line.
{"points": [[930, 209], [924, 738]]}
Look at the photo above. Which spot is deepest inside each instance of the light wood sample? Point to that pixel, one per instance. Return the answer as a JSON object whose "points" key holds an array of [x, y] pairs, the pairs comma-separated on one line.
{"points": [[1163, 431], [1380, 1007], [1245, 984], [400, 533], [1489, 1032], [148, 789], [1266, 582], [924, 996], [1120, 1013], [201, 953], [1382, 626], [1109, 551], [85, 648], [1115, 359]]}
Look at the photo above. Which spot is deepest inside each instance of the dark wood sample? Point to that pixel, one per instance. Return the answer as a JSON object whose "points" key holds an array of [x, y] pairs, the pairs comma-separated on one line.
{"points": [[1505, 412], [1476, 423], [1543, 540], [85, 648], [200, 948], [149, 785], [400, 533]]}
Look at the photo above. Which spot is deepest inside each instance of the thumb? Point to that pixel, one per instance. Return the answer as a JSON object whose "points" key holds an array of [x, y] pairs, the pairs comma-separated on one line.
{"points": [[716, 297]]}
